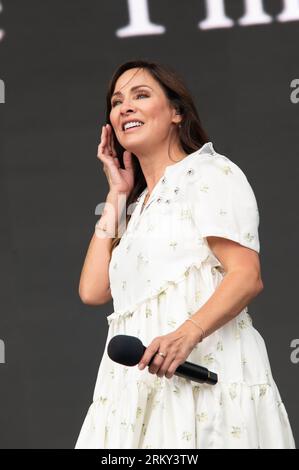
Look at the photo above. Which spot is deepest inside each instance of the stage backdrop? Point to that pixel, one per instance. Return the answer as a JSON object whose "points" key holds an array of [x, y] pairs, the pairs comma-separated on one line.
{"points": [[240, 61]]}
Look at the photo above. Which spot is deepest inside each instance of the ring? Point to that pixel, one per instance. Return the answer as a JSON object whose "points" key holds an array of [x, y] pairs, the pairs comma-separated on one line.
{"points": [[161, 354]]}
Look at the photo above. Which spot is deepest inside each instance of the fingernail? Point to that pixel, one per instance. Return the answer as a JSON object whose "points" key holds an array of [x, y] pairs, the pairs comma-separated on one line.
{"points": [[140, 366]]}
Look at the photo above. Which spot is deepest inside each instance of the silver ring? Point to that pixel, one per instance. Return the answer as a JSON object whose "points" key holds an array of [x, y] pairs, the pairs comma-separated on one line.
{"points": [[161, 354]]}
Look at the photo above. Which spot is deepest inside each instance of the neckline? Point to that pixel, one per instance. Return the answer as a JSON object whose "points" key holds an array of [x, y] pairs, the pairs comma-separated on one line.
{"points": [[205, 148]]}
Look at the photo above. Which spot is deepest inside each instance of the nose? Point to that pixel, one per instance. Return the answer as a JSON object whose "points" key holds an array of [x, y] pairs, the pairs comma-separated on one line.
{"points": [[126, 106]]}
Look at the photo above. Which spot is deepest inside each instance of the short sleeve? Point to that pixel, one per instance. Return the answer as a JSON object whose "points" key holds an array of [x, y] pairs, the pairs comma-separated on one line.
{"points": [[222, 201]]}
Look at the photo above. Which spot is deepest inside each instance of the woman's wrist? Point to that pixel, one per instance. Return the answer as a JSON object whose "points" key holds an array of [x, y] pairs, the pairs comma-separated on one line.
{"points": [[199, 327], [103, 230], [107, 225]]}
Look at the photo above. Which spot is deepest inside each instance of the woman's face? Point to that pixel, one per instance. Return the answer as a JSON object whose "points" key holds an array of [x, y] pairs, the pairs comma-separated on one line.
{"points": [[147, 104]]}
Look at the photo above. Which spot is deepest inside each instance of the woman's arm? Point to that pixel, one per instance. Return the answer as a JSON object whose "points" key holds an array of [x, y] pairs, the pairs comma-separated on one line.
{"points": [[241, 283], [94, 285]]}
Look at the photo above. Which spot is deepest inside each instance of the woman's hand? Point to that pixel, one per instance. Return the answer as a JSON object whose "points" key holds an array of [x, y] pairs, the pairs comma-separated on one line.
{"points": [[120, 180], [176, 346]]}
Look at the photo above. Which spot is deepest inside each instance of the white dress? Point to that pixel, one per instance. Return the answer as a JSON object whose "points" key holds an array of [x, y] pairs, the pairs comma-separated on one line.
{"points": [[161, 273]]}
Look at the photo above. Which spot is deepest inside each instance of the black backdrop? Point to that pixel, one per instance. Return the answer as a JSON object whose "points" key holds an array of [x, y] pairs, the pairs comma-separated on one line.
{"points": [[56, 58]]}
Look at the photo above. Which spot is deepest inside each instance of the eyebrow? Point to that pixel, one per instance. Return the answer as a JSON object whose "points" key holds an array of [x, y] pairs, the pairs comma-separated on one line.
{"points": [[132, 89]]}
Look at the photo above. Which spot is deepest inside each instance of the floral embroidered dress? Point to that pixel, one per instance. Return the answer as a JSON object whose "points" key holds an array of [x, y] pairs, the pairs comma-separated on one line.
{"points": [[161, 273]]}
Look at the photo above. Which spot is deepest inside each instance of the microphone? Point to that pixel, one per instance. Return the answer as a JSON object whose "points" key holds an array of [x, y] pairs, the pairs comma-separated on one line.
{"points": [[128, 350]]}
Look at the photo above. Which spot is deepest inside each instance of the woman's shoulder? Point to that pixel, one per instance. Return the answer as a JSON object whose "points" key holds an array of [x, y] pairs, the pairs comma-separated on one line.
{"points": [[211, 158], [208, 163], [221, 199]]}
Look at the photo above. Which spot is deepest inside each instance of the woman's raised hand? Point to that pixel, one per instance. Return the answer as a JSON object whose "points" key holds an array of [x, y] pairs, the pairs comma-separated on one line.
{"points": [[120, 180]]}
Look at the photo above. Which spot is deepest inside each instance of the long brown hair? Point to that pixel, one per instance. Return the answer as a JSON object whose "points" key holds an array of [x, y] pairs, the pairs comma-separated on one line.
{"points": [[191, 133]]}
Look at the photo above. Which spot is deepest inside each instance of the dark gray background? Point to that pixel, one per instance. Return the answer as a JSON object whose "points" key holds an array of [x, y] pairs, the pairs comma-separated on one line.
{"points": [[56, 60]]}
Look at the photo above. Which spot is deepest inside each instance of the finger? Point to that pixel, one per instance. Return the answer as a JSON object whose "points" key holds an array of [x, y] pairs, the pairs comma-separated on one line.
{"points": [[113, 144], [102, 153], [156, 364], [127, 159], [108, 137], [105, 141], [148, 354], [101, 136], [116, 161], [102, 145], [172, 368], [106, 145], [109, 165], [106, 159], [165, 365], [103, 150]]}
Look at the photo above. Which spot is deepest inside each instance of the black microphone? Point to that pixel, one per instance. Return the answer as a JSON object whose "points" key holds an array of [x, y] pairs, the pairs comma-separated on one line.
{"points": [[128, 350]]}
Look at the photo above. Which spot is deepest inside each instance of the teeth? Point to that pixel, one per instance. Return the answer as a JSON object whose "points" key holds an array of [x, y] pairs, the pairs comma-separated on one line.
{"points": [[132, 124]]}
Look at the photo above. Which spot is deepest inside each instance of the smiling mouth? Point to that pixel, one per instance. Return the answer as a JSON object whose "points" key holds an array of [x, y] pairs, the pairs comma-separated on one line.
{"points": [[132, 128]]}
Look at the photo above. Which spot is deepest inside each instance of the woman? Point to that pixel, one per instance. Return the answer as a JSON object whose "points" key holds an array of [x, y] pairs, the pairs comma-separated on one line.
{"points": [[181, 274]]}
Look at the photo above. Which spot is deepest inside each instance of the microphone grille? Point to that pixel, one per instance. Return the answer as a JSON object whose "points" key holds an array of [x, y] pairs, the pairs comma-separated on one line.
{"points": [[125, 349]]}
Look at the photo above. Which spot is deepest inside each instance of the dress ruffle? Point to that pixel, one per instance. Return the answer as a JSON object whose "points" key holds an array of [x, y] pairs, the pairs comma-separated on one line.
{"points": [[175, 414], [158, 291]]}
